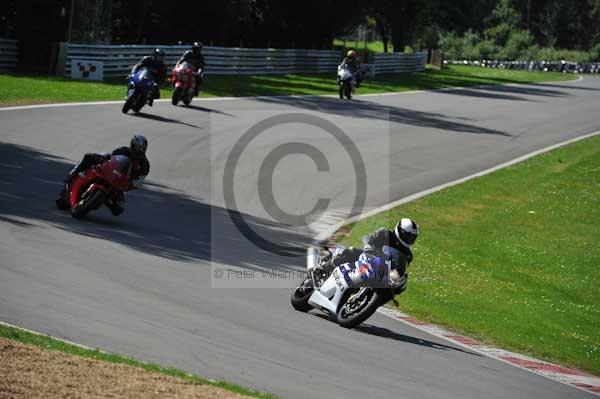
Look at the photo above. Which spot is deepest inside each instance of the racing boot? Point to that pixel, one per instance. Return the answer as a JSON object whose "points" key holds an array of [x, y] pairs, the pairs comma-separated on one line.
{"points": [[115, 208], [154, 95], [62, 202], [115, 204]]}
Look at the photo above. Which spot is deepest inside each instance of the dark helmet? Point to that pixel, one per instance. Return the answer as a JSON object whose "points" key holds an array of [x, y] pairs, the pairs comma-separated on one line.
{"points": [[406, 231], [159, 54], [197, 47], [138, 144]]}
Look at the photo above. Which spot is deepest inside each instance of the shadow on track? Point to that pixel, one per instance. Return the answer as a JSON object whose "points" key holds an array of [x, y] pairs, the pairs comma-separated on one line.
{"points": [[574, 86], [389, 334], [163, 119], [204, 109], [514, 93], [362, 108], [386, 333], [157, 220]]}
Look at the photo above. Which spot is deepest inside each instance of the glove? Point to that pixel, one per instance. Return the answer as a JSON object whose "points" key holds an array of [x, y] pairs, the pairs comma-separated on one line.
{"points": [[398, 283], [347, 255]]}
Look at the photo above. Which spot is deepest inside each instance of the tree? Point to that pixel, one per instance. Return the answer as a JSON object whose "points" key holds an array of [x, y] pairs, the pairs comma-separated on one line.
{"points": [[92, 21], [504, 20], [8, 19]]}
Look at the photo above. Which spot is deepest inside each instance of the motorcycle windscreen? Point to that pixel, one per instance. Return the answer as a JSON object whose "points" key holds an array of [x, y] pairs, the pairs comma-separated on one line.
{"points": [[187, 67], [117, 171], [144, 76]]}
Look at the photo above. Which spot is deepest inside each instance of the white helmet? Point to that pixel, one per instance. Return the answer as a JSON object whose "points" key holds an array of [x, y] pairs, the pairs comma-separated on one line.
{"points": [[406, 232]]}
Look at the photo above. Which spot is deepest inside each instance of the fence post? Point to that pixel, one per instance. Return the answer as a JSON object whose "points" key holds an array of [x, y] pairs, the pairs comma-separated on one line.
{"points": [[61, 59], [436, 59]]}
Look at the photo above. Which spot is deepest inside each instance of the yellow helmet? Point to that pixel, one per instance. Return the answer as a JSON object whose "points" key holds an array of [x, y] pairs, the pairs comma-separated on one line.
{"points": [[351, 54]]}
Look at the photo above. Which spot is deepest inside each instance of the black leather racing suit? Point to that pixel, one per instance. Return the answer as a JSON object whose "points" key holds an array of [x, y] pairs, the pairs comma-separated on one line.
{"points": [[141, 165], [372, 245], [140, 168], [197, 60], [157, 69]]}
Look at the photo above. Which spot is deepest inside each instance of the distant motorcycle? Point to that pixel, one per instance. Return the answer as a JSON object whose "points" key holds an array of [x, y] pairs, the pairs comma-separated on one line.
{"points": [[99, 184], [139, 89], [184, 83], [346, 81], [336, 294]]}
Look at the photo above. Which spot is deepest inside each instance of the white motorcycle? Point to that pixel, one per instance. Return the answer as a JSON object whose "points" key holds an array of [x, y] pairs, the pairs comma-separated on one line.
{"points": [[349, 295], [346, 81]]}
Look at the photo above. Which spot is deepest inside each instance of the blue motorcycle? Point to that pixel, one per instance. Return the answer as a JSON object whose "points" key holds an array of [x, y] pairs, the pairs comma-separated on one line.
{"points": [[139, 90]]}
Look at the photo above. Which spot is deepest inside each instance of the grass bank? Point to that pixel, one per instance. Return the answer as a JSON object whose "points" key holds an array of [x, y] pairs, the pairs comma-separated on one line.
{"points": [[512, 258], [51, 344], [16, 89]]}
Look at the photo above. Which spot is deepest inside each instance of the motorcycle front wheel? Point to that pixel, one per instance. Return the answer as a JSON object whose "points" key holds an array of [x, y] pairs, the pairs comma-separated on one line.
{"points": [[88, 203], [348, 90], [352, 313], [127, 105], [176, 96], [301, 294]]}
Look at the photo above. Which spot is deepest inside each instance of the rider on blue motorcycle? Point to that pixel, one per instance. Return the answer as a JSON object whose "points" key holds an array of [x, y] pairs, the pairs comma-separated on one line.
{"points": [[155, 64]]}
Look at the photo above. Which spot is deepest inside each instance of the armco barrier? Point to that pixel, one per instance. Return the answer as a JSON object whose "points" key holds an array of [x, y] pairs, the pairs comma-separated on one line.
{"points": [[8, 55], [118, 59], [398, 62]]}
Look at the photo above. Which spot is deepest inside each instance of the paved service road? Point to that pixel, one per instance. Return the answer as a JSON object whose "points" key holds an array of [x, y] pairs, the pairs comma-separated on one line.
{"points": [[141, 284]]}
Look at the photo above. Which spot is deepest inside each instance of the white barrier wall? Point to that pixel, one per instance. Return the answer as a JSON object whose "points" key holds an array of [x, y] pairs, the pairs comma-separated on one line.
{"points": [[398, 62], [8, 55], [118, 60]]}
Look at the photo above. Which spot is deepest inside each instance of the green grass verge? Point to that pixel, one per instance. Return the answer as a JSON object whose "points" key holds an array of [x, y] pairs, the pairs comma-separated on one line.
{"points": [[512, 258], [49, 343], [16, 89]]}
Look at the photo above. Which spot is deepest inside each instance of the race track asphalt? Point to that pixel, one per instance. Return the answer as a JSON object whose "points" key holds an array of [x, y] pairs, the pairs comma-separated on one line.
{"points": [[145, 284]]}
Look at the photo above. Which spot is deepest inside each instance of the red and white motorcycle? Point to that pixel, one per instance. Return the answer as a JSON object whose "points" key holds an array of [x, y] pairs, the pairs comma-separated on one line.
{"points": [[184, 83]]}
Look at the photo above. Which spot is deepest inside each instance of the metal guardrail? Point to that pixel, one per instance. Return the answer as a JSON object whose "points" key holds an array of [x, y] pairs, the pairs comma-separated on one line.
{"points": [[539, 66], [398, 62], [119, 59], [8, 55]]}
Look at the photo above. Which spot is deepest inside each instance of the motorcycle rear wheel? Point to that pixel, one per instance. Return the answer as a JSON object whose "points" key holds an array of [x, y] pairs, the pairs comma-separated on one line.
{"points": [[138, 106], [351, 320], [301, 294], [88, 203]]}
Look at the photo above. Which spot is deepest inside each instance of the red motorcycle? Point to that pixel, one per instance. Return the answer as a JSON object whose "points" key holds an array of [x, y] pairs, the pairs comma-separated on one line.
{"points": [[184, 83], [100, 184]]}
